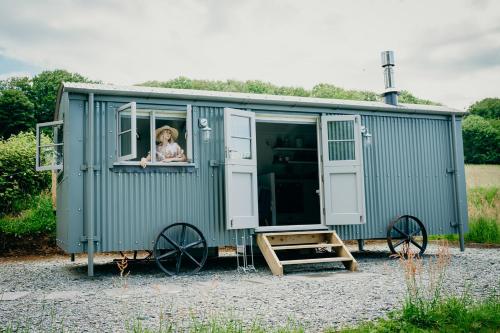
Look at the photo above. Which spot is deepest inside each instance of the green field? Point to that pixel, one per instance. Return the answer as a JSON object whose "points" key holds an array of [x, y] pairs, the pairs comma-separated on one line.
{"points": [[482, 175]]}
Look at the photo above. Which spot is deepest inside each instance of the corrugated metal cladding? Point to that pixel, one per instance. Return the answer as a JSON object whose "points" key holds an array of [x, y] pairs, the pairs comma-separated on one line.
{"points": [[405, 172], [132, 207]]}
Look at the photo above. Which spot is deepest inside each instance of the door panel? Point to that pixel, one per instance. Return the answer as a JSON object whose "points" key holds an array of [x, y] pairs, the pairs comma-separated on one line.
{"points": [[240, 169], [343, 170]]}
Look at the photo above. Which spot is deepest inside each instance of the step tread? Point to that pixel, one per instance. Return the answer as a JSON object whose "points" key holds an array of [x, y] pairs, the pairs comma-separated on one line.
{"points": [[291, 233], [305, 246], [314, 260]]}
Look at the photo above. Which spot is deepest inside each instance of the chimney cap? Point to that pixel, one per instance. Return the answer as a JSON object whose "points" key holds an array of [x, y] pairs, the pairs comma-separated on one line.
{"points": [[387, 58]]}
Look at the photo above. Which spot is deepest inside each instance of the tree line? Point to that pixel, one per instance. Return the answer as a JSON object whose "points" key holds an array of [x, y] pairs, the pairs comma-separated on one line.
{"points": [[25, 101]]}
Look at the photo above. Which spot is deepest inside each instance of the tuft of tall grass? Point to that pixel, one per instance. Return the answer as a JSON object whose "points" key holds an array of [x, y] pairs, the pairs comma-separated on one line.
{"points": [[484, 215], [424, 285], [215, 325]]}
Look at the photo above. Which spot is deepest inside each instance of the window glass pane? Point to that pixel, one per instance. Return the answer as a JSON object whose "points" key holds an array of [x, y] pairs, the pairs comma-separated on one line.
{"points": [[341, 144], [341, 130], [125, 121], [240, 126], [143, 136], [241, 148], [51, 155], [341, 150], [125, 144], [50, 145], [170, 139]]}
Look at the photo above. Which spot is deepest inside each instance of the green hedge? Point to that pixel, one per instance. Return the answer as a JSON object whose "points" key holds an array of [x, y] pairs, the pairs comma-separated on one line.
{"points": [[481, 140], [37, 219], [19, 181]]}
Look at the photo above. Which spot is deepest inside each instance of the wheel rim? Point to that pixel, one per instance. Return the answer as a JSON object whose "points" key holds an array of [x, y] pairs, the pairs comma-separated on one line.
{"points": [[407, 233], [180, 249]]}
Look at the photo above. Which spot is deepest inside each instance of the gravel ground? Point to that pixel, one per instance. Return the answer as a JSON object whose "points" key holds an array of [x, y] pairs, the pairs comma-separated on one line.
{"points": [[52, 291]]}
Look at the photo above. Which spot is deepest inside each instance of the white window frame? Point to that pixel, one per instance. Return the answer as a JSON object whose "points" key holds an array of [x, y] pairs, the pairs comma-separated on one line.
{"points": [[133, 131], [153, 114], [39, 167]]}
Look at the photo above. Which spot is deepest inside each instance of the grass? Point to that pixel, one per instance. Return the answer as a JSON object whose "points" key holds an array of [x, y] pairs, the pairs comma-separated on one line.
{"points": [[37, 219], [484, 217], [217, 325], [427, 309], [452, 314]]}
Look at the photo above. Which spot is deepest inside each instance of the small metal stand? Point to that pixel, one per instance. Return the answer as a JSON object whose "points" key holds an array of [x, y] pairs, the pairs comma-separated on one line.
{"points": [[241, 250]]}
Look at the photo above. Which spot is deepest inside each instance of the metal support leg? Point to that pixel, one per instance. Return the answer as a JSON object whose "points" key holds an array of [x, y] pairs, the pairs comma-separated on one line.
{"points": [[242, 249], [361, 245], [72, 257], [90, 263]]}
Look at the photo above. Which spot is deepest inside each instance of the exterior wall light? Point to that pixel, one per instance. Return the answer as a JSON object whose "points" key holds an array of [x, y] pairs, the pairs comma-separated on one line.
{"points": [[206, 132], [367, 135]]}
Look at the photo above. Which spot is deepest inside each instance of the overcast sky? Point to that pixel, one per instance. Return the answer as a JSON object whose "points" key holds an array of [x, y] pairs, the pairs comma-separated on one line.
{"points": [[446, 51]]}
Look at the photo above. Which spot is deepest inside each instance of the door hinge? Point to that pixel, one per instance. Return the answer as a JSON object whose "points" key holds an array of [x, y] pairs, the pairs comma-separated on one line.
{"points": [[324, 211], [360, 218], [231, 223]]}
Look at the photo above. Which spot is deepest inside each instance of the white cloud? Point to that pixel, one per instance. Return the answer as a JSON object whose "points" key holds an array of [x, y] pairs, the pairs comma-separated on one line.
{"points": [[445, 51], [7, 75]]}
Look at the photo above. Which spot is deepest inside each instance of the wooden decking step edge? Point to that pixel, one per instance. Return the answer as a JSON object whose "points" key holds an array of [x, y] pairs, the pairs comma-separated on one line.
{"points": [[304, 246], [315, 260], [290, 233]]}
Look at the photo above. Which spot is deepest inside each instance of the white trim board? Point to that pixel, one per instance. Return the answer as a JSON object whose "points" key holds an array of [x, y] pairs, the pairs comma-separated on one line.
{"points": [[299, 227], [285, 119]]}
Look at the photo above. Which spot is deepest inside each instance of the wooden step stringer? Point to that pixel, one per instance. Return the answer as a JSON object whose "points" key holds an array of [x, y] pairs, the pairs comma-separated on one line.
{"points": [[269, 243]]}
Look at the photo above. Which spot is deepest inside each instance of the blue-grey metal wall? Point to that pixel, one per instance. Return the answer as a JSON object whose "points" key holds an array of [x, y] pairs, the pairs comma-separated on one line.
{"points": [[408, 170]]}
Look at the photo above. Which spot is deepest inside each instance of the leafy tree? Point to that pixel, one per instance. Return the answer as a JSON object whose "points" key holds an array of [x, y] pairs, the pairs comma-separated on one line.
{"points": [[16, 113], [44, 91], [406, 97], [21, 83], [481, 141], [18, 179], [488, 108], [322, 90]]}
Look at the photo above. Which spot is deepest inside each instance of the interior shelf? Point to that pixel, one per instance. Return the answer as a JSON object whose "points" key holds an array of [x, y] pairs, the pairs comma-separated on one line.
{"points": [[301, 162], [294, 149]]}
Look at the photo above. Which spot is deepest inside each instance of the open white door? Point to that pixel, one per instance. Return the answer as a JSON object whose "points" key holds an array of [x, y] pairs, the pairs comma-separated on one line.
{"points": [[241, 169], [343, 170]]}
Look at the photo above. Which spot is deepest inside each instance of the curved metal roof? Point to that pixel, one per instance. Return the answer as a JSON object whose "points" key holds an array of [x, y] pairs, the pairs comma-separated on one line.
{"points": [[206, 95]]}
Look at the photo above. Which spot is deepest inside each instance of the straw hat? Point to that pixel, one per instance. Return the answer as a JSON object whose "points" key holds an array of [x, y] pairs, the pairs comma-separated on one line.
{"points": [[175, 132]]}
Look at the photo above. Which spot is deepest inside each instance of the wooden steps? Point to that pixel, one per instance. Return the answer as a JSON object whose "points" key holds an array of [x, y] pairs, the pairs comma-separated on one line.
{"points": [[305, 246], [328, 241]]}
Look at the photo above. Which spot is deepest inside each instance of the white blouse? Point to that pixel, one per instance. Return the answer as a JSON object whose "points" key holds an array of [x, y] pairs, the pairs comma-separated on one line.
{"points": [[168, 150]]}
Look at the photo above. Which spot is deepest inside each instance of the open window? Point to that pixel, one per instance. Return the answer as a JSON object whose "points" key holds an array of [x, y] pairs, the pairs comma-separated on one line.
{"points": [[49, 146], [127, 132], [343, 170], [141, 136]]}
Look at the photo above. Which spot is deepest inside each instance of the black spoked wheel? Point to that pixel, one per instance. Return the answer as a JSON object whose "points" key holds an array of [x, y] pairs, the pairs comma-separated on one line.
{"points": [[407, 234], [180, 249]]}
